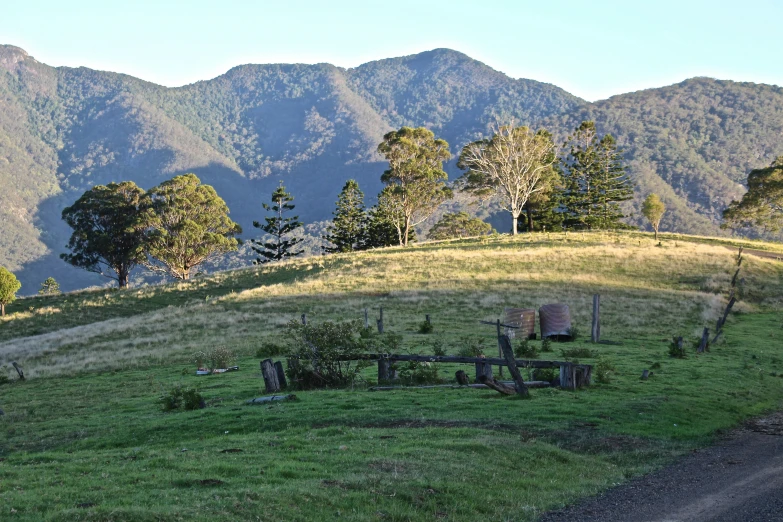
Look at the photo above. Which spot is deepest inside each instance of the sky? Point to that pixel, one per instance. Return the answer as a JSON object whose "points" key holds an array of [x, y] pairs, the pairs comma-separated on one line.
{"points": [[593, 49]]}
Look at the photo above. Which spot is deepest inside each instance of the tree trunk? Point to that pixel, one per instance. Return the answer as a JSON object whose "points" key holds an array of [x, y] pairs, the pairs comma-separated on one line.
{"points": [[656, 232], [2, 310], [529, 218], [122, 278], [407, 231], [514, 218]]}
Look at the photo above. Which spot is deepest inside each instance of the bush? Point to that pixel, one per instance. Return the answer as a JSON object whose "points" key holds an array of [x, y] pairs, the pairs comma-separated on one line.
{"points": [[220, 357], [471, 347], [269, 349], [604, 370], [185, 398], [574, 353], [675, 350], [574, 332], [330, 342], [426, 327], [525, 350], [416, 372], [545, 374], [50, 287]]}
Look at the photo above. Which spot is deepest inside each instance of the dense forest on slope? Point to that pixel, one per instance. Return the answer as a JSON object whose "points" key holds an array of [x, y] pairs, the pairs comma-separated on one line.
{"points": [[63, 130]]}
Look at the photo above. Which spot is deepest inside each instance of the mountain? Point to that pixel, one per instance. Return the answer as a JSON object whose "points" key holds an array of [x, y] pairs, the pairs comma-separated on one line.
{"points": [[65, 129]]}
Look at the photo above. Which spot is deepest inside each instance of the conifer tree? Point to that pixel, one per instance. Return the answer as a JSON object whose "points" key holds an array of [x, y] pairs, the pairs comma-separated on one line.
{"points": [[279, 227], [50, 287], [348, 230]]}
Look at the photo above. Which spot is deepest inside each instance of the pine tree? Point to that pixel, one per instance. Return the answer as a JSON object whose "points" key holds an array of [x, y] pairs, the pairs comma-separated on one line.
{"points": [[49, 287], [595, 180], [348, 230], [279, 227]]}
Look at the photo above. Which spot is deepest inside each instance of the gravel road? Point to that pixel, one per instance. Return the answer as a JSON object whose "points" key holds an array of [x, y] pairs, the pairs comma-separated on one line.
{"points": [[738, 480]]}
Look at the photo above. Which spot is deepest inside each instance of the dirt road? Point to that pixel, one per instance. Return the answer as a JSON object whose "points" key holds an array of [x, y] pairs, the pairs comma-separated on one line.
{"points": [[740, 479]]}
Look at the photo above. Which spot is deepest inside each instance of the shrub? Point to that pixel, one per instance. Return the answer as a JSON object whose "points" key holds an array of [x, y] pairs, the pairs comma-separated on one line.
{"points": [[574, 332], [437, 347], [49, 287], [471, 347], [270, 349], [573, 353], [525, 350], [546, 344], [545, 374], [220, 357], [604, 370], [185, 398], [425, 327], [416, 372], [675, 350], [319, 348]]}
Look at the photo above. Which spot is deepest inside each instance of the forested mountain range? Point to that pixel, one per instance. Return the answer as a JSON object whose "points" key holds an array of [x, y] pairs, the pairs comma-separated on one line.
{"points": [[65, 129]]}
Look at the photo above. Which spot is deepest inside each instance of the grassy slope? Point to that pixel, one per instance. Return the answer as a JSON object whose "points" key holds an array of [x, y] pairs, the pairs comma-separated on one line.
{"points": [[97, 438]]}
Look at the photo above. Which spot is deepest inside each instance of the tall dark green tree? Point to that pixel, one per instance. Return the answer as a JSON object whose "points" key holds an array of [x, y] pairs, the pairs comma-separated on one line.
{"points": [[279, 227], [595, 180], [348, 230], [187, 224], [108, 230], [383, 222]]}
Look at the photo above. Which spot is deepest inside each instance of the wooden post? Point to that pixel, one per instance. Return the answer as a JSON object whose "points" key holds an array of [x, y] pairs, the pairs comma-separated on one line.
{"points": [[508, 353], [483, 369], [383, 370], [304, 319], [366, 319], [271, 384], [18, 370], [567, 376], [705, 341], [595, 333], [380, 321], [280, 375], [462, 379], [645, 374], [500, 349], [427, 318]]}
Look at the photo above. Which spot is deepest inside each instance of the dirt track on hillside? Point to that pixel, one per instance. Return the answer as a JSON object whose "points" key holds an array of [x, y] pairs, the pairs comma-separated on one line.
{"points": [[739, 479]]}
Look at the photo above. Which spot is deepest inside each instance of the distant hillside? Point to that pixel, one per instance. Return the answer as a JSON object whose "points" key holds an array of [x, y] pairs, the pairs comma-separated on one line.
{"points": [[63, 130]]}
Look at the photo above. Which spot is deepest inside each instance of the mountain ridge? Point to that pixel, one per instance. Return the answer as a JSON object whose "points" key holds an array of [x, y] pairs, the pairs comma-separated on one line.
{"points": [[64, 129]]}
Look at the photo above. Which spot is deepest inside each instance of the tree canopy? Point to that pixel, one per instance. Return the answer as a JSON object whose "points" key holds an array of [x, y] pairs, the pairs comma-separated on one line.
{"points": [[415, 179], [509, 167], [108, 230], [762, 205], [187, 224], [458, 224], [9, 285], [279, 227]]}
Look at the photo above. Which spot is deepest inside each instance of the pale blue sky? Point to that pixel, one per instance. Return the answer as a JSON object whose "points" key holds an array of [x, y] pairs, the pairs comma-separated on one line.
{"points": [[591, 48]]}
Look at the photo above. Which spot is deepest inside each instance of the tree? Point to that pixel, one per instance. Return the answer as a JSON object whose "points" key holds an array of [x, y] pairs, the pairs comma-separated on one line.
{"points": [[278, 226], [653, 209], [49, 287], [458, 224], [348, 230], [508, 167], [108, 230], [595, 180], [762, 204], [187, 224], [415, 178], [382, 222], [9, 285]]}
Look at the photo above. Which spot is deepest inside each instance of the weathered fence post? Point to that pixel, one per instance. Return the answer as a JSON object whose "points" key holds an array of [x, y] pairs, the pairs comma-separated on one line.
{"points": [[271, 384], [380, 321], [383, 369], [508, 353], [484, 369], [304, 319], [366, 319], [18, 370], [645, 374], [705, 340], [280, 375], [500, 349], [462, 379], [595, 333], [427, 318]]}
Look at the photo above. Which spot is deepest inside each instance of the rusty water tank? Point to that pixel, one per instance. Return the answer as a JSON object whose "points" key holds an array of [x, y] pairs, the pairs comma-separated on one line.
{"points": [[525, 318], [555, 321]]}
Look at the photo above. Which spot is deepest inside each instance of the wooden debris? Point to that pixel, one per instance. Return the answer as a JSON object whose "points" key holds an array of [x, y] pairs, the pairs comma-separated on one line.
{"points": [[497, 386], [271, 384], [280, 375], [271, 398], [18, 370], [462, 378], [645, 375], [508, 352], [704, 344]]}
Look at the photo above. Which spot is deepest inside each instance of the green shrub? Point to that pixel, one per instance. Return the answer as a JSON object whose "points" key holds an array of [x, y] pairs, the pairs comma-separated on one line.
{"points": [[416, 372], [471, 347], [426, 327], [574, 332], [546, 344], [675, 350], [574, 353], [604, 370], [185, 398], [437, 347], [525, 350], [545, 374], [220, 357], [270, 349], [318, 350]]}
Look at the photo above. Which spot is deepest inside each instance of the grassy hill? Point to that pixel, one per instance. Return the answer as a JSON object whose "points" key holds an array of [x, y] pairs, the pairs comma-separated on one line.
{"points": [[86, 438], [64, 129]]}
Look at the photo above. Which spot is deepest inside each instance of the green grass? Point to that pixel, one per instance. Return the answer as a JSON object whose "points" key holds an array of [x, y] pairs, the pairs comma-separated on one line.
{"points": [[86, 439]]}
